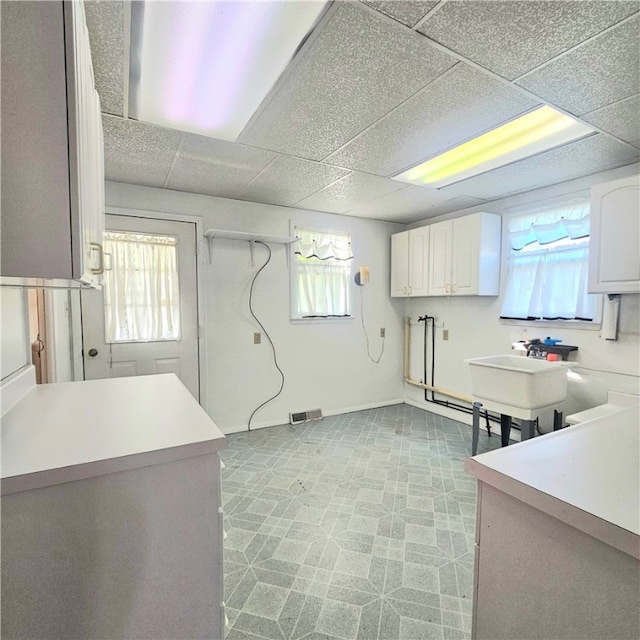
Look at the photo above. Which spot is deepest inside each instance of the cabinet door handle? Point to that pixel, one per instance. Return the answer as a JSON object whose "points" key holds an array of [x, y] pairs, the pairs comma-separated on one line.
{"points": [[96, 246], [404, 289], [410, 289], [447, 288], [453, 288], [109, 266]]}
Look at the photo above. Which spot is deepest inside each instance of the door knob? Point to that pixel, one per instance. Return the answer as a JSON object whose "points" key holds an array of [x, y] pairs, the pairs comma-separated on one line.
{"points": [[93, 352]]}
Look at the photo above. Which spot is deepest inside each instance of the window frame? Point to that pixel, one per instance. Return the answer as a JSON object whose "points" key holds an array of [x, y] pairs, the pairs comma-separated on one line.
{"points": [[294, 319]]}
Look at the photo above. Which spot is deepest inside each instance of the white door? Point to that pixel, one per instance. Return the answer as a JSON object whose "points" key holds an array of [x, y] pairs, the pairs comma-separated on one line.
{"points": [[464, 274], [154, 330]]}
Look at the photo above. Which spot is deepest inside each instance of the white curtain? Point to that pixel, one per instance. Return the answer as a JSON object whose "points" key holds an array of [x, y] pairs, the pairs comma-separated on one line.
{"points": [[548, 265], [322, 273], [141, 296]]}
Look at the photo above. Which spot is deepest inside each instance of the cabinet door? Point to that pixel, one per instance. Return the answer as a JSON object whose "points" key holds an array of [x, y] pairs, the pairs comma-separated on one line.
{"points": [[440, 258], [419, 261], [465, 250], [614, 252], [400, 264]]}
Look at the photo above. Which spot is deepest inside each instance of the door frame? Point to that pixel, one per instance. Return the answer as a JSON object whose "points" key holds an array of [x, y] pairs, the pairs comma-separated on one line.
{"points": [[200, 290]]}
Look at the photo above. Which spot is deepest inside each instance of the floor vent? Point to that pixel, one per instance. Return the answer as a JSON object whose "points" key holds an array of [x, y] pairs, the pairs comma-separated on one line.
{"points": [[305, 416]]}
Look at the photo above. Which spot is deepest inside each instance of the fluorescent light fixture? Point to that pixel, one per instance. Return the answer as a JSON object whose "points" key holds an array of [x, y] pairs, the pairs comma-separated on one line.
{"points": [[205, 66], [535, 132]]}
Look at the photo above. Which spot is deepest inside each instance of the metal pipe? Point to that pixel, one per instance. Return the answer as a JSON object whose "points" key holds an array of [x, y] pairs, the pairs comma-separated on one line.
{"points": [[415, 383]]}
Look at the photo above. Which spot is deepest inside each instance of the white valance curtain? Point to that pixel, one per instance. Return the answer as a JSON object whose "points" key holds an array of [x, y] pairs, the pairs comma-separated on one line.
{"points": [[322, 273], [141, 296], [548, 265]]}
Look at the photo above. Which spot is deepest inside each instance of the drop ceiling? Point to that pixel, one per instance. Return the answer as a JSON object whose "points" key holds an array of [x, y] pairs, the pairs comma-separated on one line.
{"points": [[382, 85]]}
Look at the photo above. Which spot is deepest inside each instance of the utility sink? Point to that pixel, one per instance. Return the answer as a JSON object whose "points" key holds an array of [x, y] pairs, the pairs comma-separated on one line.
{"points": [[518, 382]]}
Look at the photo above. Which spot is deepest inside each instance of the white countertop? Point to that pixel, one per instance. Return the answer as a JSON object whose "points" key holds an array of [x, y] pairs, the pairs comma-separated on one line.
{"points": [[593, 468], [68, 431]]}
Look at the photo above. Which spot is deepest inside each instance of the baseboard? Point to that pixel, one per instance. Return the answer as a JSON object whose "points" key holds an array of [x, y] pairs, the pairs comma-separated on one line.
{"points": [[332, 412]]}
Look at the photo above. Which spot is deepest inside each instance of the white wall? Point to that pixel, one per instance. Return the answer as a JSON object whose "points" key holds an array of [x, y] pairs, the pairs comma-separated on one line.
{"points": [[14, 343], [326, 364], [475, 329]]}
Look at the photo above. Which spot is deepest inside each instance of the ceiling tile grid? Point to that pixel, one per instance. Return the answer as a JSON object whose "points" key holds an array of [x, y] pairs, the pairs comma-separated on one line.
{"points": [[356, 69], [349, 192], [215, 167], [138, 153], [600, 72], [511, 37], [459, 105], [382, 85], [409, 12], [105, 22], [621, 119], [580, 158], [288, 180], [410, 203]]}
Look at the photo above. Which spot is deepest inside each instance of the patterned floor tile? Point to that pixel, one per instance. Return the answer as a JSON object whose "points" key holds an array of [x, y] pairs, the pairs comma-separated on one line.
{"points": [[357, 527]]}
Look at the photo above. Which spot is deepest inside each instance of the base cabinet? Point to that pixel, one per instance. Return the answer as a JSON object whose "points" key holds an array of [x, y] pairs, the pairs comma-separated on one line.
{"points": [[614, 251], [539, 577], [135, 554]]}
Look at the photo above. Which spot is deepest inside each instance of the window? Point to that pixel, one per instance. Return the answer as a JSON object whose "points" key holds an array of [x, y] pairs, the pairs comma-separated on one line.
{"points": [[321, 274], [141, 298], [548, 265]]}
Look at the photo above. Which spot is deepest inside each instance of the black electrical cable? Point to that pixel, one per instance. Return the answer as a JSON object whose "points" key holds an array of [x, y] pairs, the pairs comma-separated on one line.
{"points": [[266, 333], [443, 403]]}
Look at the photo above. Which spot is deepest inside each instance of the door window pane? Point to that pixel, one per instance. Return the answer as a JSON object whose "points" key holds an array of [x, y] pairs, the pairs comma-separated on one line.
{"points": [[141, 296]]}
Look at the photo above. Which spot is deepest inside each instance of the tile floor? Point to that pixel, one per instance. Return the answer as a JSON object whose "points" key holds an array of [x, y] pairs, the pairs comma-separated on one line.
{"points": [[356, 527]]}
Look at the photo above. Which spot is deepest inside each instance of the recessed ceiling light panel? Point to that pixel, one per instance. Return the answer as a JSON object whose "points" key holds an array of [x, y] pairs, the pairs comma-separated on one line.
{"points": [[206, 66], [535, 132]]}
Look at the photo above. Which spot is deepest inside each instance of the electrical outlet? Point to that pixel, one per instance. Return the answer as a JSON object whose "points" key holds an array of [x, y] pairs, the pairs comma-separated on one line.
{"points": [[445, 334], [257, 338], [382, 332]]}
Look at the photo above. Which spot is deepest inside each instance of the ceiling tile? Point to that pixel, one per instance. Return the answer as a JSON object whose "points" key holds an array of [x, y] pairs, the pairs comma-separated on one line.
{"points": [[215, 167], [621, 119], [580, 158], [602, 71], [138, 153], [409, 12], [459, 105], [287, 180], [511, 37], [105, 23], [409, 204], [348, 193], [355, 70]]}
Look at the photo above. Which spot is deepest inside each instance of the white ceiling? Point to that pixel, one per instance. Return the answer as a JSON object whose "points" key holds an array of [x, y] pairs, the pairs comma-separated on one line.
{"points": [[382, 85]]}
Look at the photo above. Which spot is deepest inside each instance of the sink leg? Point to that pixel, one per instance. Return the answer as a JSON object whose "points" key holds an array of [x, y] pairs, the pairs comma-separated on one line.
{"points": [[505, 428], [527, 428], [557, 420], [475, 429]]}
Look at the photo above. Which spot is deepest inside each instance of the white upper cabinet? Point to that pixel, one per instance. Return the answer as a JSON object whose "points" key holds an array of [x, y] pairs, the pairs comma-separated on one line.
{"points": [[52, 148], [614, 251], [409, 263], [464, 256]]}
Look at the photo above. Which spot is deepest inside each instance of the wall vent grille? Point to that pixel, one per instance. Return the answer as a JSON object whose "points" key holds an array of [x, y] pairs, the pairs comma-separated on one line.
{"points": [[304, 416]]}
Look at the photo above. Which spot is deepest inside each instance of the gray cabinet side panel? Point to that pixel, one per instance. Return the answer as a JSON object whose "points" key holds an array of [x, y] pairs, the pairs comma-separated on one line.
{"points": [[135, 554], [541, 578], [35, 224]]}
